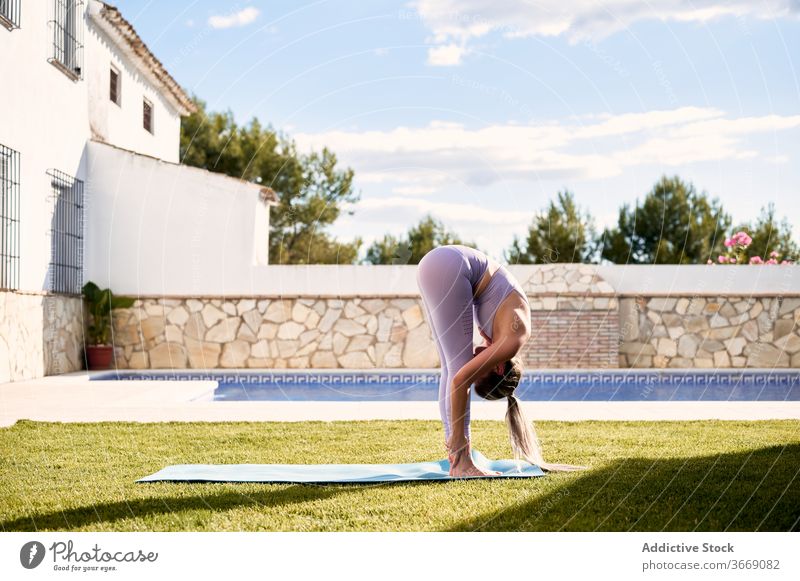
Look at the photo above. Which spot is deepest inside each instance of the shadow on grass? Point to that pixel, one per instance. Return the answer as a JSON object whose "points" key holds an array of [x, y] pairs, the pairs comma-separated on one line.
{"points": [[757, 490], [93, 514]]}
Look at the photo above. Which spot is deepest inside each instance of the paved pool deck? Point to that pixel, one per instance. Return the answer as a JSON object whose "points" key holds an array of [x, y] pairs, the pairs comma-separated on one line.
{"points": [[73, 398]]}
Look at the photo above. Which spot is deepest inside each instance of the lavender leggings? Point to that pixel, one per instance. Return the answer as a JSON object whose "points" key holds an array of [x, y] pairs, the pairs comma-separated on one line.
{"points": [[446, 276]]}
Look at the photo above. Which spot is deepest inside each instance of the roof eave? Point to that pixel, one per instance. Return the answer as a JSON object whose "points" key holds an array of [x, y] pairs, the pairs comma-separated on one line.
{"points": [[108, 19]]}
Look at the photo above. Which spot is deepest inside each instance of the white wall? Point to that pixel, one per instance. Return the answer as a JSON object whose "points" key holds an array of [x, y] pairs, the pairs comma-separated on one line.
{"points": [[121, 125], [44, 116], [162, 230], [691, 279], [156, 227]]}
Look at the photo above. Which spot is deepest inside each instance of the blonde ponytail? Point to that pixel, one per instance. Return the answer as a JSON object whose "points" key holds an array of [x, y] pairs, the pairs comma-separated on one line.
{"points": [[524, 442]]}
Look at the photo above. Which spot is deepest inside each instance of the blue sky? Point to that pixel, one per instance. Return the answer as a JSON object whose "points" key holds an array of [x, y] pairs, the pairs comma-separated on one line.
{"points": [[480, 111]]}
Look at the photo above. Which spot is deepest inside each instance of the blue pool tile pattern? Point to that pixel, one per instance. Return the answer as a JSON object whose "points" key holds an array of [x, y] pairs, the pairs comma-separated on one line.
{"points": [[555, 385]]}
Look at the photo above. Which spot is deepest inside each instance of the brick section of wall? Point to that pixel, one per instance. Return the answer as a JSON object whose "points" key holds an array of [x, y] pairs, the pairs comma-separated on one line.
{"points": [[572, 339]]}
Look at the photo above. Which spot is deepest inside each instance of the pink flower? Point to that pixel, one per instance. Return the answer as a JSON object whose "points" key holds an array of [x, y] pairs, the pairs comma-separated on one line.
{"points": [[774, 254], [785, 262], [756, 260], [772, 261], [728, 242], [712, 262], [733, 261], [722, 259], [742, 238]]}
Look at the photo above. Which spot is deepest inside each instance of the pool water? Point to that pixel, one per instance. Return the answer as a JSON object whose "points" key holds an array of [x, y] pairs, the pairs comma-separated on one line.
{"points": [[551, 385]]}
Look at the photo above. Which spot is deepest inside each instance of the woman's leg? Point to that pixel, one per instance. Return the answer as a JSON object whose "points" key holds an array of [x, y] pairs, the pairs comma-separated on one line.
{"points": [[447, 297]]}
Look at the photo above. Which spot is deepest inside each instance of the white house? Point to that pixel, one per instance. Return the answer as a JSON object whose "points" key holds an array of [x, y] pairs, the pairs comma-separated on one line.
{"points": [[89, 136]]}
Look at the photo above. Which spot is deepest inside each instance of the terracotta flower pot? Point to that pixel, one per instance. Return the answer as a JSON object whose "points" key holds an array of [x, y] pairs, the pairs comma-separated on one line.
{"points": [[99, 356]]}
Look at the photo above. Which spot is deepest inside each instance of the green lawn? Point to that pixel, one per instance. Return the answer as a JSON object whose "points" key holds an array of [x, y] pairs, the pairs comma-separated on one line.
{"points": [[644, 476]]}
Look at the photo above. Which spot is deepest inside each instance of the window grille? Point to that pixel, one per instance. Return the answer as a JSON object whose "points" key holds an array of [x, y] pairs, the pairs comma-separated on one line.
{"points": [[9, 218], [67, 37], [66, 234], [10, 16], [114, 92], [147, 115]]}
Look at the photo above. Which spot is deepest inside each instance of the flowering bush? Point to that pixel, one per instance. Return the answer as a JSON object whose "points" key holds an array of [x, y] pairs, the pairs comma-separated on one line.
{"points": [[737, 252]]}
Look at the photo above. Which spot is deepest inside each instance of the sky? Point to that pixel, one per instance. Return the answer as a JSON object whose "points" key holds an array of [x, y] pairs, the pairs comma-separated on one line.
{"points": [[481, 111]]}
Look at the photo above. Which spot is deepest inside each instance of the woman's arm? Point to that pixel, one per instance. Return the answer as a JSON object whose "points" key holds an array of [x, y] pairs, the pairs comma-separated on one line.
{"points": [[478, 366]]}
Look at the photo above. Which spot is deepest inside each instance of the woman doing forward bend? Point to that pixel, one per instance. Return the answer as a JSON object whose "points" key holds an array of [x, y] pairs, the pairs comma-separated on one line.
{"points": [[454, 281]]}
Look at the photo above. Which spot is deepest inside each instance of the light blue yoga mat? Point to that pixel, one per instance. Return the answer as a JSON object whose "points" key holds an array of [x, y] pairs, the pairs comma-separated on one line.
{"points": [[336, 473]]}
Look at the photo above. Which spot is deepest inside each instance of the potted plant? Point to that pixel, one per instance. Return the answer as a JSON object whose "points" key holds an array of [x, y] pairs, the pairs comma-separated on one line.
{"points": [[100, 302]]}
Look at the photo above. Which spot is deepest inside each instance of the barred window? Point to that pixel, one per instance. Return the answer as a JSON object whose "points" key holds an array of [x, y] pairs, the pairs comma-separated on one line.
{"points": [[66, 234], [115, 93], [9, 218], [10, 13], [67, 37], [147, 115]]}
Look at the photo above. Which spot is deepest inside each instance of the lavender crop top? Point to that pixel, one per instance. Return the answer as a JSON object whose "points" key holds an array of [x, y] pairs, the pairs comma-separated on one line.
{"points": [[500, 286]]}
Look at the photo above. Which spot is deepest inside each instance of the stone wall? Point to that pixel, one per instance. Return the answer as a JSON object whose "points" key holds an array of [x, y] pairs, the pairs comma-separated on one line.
{"points": [[574, 315], [64, 319], [40, 334], [355, 333], [578, 321], [712, 332]]}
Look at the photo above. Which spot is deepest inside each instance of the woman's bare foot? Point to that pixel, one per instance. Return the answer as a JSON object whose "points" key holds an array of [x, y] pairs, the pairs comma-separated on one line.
{"points": [[461, 464]]}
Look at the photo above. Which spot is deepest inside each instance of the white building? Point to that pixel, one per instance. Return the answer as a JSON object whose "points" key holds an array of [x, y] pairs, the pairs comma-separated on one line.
{"points": [[89, 133]]}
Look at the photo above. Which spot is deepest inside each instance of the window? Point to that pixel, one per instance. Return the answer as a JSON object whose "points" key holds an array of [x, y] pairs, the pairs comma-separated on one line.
{"points": [[66, 234], [10, 13], [67, 34], [147, 115], [9, 218], [115, 90]]}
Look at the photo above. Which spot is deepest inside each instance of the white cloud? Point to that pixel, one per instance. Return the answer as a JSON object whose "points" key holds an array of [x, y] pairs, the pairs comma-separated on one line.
{"points": [[597, 147], [389, 208], [414, 190], [462, 20], [241, 18], [445, 56]]}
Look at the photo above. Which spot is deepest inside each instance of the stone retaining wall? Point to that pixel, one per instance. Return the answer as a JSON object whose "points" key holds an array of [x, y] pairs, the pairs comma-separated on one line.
{"points": [[350, 333], [578, 321], [65, 319], [40, 334], [710, 332]]}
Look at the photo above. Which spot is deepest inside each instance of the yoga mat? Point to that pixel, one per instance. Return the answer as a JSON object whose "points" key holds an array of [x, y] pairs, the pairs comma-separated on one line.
{"points": [[336, 473]]}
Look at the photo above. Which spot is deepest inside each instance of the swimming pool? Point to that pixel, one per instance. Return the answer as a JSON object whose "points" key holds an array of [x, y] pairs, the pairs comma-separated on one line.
{"points": [[550, 385]]}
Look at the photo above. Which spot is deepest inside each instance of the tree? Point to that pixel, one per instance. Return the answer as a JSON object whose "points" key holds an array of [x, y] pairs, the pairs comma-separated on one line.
{"points": [[674, 225], [409, 249], [312, 190], [769, 235], [561, 233]]}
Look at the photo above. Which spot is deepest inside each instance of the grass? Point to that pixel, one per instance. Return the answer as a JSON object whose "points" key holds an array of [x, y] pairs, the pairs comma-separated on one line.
{"points": [[644, 476]]}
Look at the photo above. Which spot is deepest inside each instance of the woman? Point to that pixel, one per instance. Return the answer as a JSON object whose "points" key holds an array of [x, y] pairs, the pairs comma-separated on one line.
{"points": [[452, 279]]}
